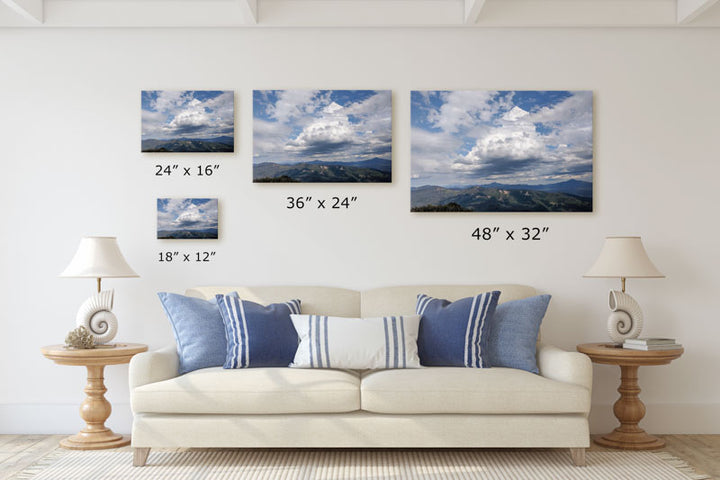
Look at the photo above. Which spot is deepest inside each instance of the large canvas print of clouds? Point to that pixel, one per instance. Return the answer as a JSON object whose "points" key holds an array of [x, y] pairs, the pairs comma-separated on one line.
{"points": [[188, 121], [187, 218], [502, 151], [322, 136]]}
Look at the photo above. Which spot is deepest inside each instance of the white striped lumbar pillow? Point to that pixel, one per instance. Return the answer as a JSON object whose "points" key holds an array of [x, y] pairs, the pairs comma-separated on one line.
{"points": [[356, 343]]}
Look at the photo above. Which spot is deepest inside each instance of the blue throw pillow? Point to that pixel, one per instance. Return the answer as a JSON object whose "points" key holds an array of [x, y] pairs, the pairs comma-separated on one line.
{"points": [[514, 332], [455, 334], [258, 336], [199, 331]]}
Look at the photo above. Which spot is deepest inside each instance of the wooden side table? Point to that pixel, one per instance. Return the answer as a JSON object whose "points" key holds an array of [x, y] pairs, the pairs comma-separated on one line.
{"points": [[95, 409], [629, 410]]}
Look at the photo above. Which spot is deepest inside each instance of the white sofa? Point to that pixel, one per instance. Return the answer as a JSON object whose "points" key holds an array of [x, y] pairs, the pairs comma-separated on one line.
{"points": [[434, 407]]}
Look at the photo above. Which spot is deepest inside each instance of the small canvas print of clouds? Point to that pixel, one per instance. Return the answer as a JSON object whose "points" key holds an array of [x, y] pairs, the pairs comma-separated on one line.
{"points": [[187, 218], [188, 121], [322, 136], [502, 151]]}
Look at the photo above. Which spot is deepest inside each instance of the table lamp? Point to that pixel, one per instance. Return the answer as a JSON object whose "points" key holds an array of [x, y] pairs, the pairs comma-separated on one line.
{"points": [[623, 257], [98, 257]]}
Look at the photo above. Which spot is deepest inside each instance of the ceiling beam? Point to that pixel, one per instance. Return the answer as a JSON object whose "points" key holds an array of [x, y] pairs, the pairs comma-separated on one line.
{"points": [[472, 10], [361, 13], [250, 9], [147, 13], [689, 10], [578, 13], [30, 9]]}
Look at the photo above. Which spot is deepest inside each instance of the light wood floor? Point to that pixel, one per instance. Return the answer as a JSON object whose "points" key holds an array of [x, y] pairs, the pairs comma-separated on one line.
{"points": [[20, 451]]}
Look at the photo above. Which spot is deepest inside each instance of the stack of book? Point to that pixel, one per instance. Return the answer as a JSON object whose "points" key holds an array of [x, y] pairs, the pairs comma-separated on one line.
{"points": [[651, 344]]}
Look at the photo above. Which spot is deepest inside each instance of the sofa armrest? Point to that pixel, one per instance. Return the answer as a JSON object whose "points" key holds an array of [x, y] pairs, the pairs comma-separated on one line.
{"points": [[569, 367], [151, 367]]}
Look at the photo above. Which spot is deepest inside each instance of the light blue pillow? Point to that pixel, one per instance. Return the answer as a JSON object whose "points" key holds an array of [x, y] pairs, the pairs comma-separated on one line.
{"points": [[199, 331], [455, 334], [257, 335], [513, 333]]}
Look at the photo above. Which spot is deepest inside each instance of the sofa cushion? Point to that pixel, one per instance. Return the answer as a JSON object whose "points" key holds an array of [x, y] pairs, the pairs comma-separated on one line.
{"points": [[469, 390], [251, 391]]}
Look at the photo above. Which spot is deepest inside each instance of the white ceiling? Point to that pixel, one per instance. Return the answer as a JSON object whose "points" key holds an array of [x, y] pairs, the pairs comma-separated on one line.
{"points": [[359, 13]]}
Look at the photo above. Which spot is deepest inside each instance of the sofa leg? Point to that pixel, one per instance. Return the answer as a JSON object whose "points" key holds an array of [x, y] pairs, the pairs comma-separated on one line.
{"points": [[140, 456], [578, 456]]}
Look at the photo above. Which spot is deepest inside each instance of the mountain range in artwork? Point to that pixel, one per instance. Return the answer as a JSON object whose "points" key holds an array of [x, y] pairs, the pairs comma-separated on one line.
{"points": [[570, 196], [191, 121], [218, 144], [330, 136], [502, 151], [373, 170]]}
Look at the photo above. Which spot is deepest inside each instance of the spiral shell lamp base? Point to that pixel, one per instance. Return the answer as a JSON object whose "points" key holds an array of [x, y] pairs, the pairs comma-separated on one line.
{"points": [[96, 315], [626, 319]]}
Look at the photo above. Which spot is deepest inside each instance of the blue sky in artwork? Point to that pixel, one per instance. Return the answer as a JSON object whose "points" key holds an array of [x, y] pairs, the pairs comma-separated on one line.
{"points": [[464, 138], [292, 126], [187, 114], [187, 214]]}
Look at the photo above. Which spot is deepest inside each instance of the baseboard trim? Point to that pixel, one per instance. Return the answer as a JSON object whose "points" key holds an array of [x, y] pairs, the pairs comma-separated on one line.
{"points": [[38, 418]]}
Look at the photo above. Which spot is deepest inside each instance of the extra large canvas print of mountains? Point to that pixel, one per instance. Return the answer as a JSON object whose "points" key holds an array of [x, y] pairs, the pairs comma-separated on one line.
{"points": [[188, 121], [322, 136], [502, 151], [374, 170], [568, 196]]}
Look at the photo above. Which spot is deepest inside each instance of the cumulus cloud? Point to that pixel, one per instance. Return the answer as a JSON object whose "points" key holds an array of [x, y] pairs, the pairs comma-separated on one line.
{"points": [[461, 110], [293, 126], [187, 114], [293, 104], [187, 213], [507, 137]]}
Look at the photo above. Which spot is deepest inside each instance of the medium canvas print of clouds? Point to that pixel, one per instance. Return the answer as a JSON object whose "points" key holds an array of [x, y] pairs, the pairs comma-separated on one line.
{"points": [[188, 121], [187, 218], [502, 151], [322, 136]]}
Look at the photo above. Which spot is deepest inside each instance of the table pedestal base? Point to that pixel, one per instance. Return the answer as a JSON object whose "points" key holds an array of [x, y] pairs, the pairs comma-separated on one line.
{"points": [[83, 441], [630, 440], [95, 409], [629, 410]]}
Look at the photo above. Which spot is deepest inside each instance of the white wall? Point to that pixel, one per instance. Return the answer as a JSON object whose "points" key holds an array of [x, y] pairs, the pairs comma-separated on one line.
{"points": [[71, 165]]}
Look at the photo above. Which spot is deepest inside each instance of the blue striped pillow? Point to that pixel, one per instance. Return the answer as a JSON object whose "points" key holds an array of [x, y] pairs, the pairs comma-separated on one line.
{"points": [[257, 335], [356, 343], [454, 334]]}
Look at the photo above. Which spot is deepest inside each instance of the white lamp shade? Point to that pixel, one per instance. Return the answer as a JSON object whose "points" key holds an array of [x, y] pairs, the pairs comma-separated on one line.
{"points": [[98, 257], [623, 257]]}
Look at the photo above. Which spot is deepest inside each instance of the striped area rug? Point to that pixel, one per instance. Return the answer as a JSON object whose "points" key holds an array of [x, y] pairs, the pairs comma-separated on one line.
{"points": [[357, 464]]}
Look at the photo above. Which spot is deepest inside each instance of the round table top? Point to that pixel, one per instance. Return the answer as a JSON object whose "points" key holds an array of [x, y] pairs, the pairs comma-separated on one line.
{"points": [[612, 354], [112, 354]]}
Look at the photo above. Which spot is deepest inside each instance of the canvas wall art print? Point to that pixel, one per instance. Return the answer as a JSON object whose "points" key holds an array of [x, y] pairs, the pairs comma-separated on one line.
{"points": [[502, 151], [188, 121], [187, 218], [322, 136]]}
